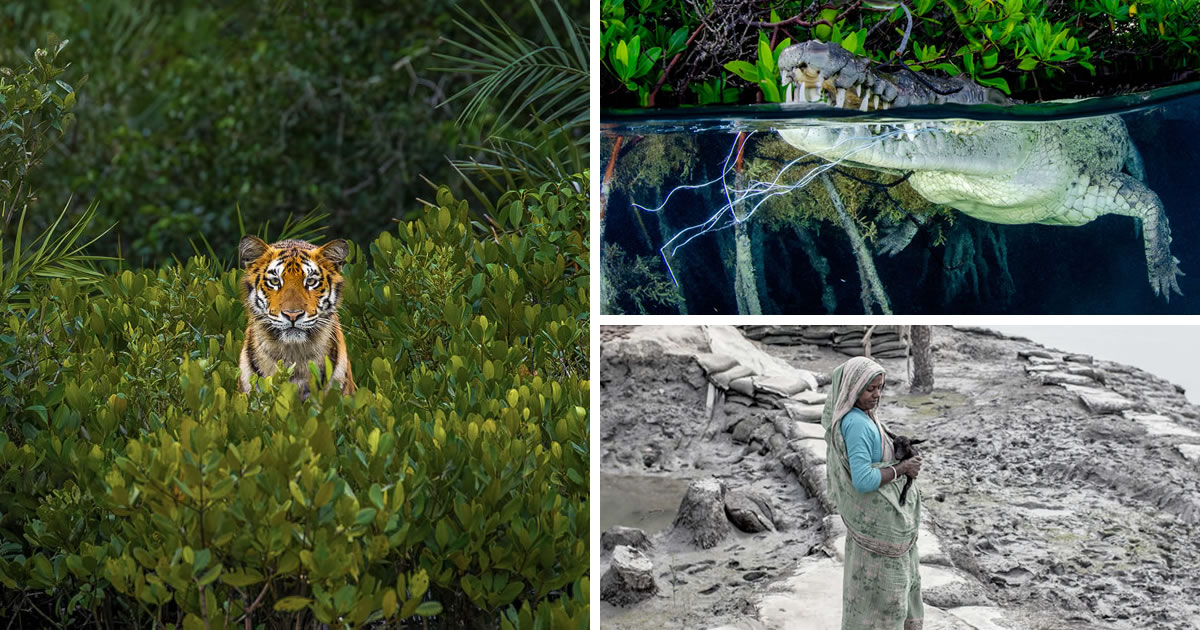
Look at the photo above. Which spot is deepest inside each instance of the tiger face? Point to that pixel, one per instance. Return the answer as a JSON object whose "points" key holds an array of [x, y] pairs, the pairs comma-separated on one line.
{"points": [[292, 288]]}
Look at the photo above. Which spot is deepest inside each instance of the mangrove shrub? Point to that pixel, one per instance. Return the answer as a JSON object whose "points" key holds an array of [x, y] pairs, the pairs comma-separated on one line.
{"points": [[666, 52], [137, 484]]}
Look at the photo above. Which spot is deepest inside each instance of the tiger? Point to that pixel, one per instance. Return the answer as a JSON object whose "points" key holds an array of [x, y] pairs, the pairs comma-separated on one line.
{"points": [[291, 290]]}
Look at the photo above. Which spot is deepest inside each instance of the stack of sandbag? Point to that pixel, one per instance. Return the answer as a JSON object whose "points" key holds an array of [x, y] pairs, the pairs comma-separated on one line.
{"points": [[884, 342], [792, 335], [744, 385], [1078, 375]]}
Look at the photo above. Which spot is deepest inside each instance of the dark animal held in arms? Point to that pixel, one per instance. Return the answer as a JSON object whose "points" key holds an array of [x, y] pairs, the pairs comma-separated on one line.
{"points": [[905, 448]]}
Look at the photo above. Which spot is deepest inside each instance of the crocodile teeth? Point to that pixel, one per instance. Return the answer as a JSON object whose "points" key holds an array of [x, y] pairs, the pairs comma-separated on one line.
{"points": [[910, 131], [858, 90], [875, 101], [840, 100], [862, 105]]}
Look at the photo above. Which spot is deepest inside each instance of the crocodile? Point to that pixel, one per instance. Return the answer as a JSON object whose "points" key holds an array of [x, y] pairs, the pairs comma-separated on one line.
{"points": [[1065, 172]]}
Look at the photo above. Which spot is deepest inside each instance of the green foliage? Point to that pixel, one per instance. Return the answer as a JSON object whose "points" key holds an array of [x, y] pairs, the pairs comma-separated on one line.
{"points": [[629, 62], [636, 284], [137, 484], [765, 71], [35, 111], [51, 254], [1011, 34], [715, 91], [636, 46], [1032, 50], [540, 132], [34, 116], [194, 109]]}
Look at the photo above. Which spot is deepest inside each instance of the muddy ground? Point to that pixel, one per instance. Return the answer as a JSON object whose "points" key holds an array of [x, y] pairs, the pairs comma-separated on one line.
{"points": [[1068, 518]]}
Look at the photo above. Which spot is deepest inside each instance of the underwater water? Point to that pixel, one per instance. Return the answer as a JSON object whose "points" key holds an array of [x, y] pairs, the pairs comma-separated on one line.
{"points": [[710, 210]]}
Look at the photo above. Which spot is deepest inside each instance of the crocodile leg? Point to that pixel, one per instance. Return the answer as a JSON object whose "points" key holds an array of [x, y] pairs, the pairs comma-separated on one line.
{"points": [[900, 235], [1141, 202], [1121, 194], [1134, 165]]}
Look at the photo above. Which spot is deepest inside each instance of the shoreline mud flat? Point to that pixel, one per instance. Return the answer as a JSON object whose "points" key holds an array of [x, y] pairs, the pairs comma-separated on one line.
{"points": [[1059, 491]]}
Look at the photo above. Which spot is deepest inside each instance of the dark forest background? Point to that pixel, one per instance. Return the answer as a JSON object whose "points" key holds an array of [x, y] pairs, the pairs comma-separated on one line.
{"points": [[195, 121]]}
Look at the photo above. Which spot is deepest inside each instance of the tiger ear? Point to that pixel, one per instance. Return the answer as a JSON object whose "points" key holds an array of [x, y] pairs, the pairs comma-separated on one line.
{"points": [[250, 249], [335, 252]]}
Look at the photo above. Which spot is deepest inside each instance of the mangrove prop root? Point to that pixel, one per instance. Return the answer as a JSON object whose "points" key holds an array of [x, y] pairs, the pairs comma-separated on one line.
{"points": [[821, 265], [745, 286], [606, 182], [872, 289]]}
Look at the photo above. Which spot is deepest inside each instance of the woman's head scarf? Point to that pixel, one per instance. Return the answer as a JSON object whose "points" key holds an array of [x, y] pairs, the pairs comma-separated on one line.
{"points": [[849, 381]]}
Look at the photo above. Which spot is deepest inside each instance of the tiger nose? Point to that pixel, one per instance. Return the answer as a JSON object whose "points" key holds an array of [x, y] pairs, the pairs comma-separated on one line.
{"points": [[293, 315]]}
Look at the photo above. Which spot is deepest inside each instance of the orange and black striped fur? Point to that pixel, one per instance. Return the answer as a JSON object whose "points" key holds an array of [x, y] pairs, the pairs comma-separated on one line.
{"points": [[291, 290]]}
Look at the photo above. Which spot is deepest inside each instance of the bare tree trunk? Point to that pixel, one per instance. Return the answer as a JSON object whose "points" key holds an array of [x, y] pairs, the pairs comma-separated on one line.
{"points": [[922, 356]]}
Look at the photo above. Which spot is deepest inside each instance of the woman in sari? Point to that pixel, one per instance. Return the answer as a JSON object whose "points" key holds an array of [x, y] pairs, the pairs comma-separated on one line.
{"points": [[881, 587]]}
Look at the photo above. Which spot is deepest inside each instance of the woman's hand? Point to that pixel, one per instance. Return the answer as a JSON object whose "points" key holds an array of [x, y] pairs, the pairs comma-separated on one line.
{"points": [[910, 467]]}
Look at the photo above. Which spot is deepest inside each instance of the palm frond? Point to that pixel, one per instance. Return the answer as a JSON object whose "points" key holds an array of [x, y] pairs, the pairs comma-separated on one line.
{"points": [[307, 228], [541, 91], [53, 254], [522, 161]]}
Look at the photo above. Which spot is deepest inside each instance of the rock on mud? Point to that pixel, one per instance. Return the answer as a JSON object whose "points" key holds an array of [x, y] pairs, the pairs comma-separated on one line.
{"points": [[630, 578], [701, 518], [628, 536], [956, 594], [749, 511]]}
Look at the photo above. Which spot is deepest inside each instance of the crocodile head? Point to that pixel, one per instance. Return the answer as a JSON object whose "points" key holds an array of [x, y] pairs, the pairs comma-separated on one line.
{"points": [[819, 72]]}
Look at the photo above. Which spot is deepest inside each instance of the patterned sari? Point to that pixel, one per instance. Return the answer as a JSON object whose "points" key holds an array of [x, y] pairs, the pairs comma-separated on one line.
{"points": [[881, 587]]}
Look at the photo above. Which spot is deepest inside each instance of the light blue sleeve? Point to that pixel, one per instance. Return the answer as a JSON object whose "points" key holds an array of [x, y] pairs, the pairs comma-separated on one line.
{"points": [[859, 437]]}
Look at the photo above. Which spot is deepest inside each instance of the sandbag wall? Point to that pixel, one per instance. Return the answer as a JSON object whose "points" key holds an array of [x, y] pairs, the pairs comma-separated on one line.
{"points": [[776, 415], [883, 342]]}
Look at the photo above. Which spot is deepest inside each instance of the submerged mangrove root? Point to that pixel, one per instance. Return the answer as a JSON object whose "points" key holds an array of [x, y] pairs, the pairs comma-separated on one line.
{"points": [[996, 236], [821, 265], [961, 271], [872, 288], [757, 238], [642, 227], [664, 228], [606, 293], [745, 287], [966, 267]]}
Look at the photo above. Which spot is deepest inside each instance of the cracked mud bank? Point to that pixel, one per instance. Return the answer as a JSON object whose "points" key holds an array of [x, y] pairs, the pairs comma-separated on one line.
{"points": [[1065, 491]]}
